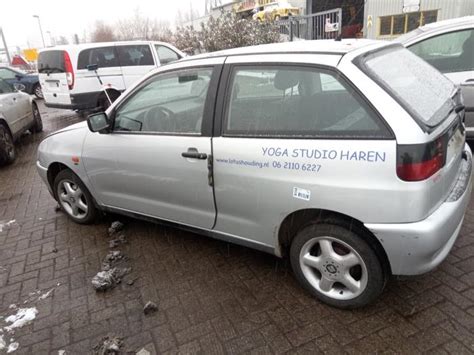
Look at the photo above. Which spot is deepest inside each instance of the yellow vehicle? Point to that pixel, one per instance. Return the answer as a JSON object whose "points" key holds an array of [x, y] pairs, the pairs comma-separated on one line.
{"points": [[276, 11]]}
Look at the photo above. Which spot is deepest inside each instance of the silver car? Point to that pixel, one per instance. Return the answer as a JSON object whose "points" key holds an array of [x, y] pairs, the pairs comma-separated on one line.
{"points": [[449, 47], [18, 113], [348, 157]]}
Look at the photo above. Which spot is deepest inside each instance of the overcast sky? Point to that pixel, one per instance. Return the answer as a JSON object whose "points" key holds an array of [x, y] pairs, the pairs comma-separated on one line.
{"points": [[66, 17]]}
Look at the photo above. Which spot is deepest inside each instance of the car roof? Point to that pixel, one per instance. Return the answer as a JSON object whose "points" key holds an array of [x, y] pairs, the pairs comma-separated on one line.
{"points": [[302, 47], [100, 44], [435, 27]]}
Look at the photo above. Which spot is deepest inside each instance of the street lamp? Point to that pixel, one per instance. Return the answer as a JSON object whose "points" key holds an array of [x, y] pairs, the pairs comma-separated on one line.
{"points": [[41, 30]]}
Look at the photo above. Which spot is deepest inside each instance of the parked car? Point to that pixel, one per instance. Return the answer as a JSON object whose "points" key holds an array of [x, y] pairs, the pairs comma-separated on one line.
{"points": [[316, 150], [17, 76], [68, 83], [449, 47], [276, 11], [18, 113]]}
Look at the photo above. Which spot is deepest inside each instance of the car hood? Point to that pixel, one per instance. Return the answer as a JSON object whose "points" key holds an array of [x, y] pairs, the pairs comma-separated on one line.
{"points": [[81, 125]]}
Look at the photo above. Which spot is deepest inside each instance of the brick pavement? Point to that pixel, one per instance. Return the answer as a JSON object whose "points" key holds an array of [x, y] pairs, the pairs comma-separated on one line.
{"points": [[213, 297]]}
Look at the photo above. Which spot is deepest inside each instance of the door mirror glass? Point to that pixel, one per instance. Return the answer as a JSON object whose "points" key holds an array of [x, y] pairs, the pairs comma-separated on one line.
{"points": [[18, 77], [19, 87], [98, 122]]}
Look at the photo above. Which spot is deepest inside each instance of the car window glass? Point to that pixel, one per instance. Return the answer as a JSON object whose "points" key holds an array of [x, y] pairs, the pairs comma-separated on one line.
{"points": [[450, 52], [5, 87], [138, 55], [7, 74], [166, 55], [285, 101], [171, 103], [104, 57]]}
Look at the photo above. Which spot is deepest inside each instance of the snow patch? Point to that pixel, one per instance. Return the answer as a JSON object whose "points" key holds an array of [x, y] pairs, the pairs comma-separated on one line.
{"points": [[12, 347], [6, 224], [2, 343], [22, 317], [45, 295]]}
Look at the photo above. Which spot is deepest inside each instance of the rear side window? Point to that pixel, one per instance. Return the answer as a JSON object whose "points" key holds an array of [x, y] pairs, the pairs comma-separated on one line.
{"points": [[51, 62], [138, 55], [104, 57], [297, 101], [422, 90], [166, 55], [7, 73], [449, 52], [5, 88]]}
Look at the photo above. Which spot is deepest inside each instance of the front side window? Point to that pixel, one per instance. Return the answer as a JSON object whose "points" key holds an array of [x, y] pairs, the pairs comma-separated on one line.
{"points": [[449, 52], [297, 102], [166, 55], [171, 103], [7, 74], [104, 57], [5, 88], [139, 55]]}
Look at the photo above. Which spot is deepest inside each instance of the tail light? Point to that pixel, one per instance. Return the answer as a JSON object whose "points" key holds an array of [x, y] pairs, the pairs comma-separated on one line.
{"points": [[69, 70], [418, 162]]}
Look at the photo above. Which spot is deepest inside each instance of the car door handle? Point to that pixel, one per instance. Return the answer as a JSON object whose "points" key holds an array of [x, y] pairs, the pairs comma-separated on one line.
{"points": [[468, 82], [193, 153]]}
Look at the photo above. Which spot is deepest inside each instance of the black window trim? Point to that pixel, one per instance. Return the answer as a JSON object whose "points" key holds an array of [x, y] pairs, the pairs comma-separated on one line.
{"points": [[209, 105], [224, 97]]}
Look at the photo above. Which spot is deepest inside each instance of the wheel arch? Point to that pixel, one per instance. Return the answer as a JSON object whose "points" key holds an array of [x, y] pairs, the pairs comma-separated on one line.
{"points": [[297, 220], [4, 122], [53, 171]]}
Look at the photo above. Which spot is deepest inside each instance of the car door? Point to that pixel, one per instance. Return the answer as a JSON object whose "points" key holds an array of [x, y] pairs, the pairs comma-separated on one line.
{"points": [[135, 61], [285, 130], [9, 108], [155, 160], [452, 53]]}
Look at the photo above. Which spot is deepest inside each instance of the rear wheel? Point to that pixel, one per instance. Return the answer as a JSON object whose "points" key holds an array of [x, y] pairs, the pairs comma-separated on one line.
{"points": [[38, 122], [74, 198], [7, 147], [38, 91], [104, 102], [337, 265]]}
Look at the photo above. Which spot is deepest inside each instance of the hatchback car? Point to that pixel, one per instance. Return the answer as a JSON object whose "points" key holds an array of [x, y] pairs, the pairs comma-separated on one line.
{"points": [[315, 150], [449, 47], [17, 76], [18, 113]]}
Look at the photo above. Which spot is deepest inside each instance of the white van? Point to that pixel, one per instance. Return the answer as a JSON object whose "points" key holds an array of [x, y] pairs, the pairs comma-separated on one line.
{"points": [[68, 83]]}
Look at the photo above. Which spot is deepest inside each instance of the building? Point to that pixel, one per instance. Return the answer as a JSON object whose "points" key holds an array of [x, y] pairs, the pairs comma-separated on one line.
{"points": [[387, 19]]}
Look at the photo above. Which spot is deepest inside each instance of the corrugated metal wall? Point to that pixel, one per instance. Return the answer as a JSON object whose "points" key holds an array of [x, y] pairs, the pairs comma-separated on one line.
{"points": [[446, 9]]}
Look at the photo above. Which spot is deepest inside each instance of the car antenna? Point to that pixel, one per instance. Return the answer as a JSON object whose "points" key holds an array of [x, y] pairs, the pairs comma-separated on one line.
{"points": [[339, 37]]}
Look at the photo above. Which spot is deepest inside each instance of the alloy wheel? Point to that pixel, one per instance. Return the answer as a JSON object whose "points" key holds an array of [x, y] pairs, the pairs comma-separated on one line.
{"points": [[333, 268], [72, 199]]}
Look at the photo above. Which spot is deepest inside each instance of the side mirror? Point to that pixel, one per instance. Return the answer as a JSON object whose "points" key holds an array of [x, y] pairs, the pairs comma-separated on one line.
{"points": [[19, 87], [18, 76], [92, 67], [98, 122]]}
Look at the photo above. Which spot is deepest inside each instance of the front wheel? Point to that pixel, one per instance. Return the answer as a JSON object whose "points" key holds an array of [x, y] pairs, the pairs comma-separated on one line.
{"points": [[38, 122], [7, 147], [337, 265], [38, 91], [74, 198]]}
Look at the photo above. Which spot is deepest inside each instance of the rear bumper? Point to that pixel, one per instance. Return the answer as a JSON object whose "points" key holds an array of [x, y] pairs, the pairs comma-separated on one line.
{"points": [[416, 248], [83, 101]]}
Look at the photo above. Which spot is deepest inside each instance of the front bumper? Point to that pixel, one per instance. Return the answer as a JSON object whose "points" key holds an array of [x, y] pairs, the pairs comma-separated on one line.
{"points": [[43, 173], [416, 248]]}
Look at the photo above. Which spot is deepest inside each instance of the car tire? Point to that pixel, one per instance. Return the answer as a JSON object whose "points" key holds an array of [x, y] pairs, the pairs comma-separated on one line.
{"points": [[38, 91], [104, 102], [337, 265], [74, 198], [7, 146], [38, 122]]}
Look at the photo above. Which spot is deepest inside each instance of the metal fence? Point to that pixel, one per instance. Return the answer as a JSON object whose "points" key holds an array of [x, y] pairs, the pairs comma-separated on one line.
{"points": [[321, 25]]}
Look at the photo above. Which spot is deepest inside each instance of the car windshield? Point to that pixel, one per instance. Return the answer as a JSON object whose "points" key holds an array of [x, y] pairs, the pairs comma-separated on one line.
{"points": [[421, 89]]}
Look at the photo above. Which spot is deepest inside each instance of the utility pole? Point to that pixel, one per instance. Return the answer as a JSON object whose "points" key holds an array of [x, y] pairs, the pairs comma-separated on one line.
{"points": [[41, 30], [5, 46]]}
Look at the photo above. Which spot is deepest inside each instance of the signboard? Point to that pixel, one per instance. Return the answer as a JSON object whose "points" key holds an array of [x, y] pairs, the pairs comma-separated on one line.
{"points": [[331, 27], [411, 6]]}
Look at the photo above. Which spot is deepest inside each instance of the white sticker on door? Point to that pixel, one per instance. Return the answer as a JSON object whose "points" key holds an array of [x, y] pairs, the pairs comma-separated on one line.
{"points": [[301, 194]]}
